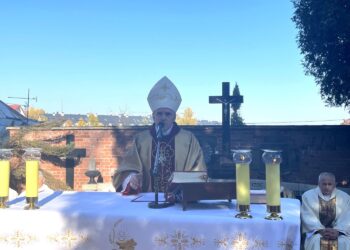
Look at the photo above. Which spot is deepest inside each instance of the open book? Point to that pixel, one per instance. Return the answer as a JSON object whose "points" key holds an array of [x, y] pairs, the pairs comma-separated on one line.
{"points": [[189, 177]]}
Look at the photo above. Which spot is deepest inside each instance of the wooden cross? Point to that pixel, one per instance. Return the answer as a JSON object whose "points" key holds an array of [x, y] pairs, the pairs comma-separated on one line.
{"points": [[226, 100]]}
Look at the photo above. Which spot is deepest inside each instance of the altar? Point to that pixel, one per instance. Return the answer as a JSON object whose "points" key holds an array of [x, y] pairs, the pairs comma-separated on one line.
{"points": [[98, 220]]}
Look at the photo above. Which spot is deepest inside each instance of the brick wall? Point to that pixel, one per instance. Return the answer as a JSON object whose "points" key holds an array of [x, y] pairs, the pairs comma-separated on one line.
{"points": [[307, 150]]}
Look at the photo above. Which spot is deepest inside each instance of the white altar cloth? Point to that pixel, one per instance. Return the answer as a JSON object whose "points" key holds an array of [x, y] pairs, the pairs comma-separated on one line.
{"points": [[97, 220]]}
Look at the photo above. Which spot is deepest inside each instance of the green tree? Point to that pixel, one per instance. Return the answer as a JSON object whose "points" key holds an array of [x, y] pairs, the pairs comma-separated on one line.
{"points": [[324, 40], [187, 118], [236, 119]]}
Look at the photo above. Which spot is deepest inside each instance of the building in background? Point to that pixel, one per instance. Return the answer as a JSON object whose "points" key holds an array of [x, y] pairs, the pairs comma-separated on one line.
{"points": [[11, 118]]}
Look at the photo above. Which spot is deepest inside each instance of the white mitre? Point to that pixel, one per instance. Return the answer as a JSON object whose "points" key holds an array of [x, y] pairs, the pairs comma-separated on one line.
{"points": [[164, 94]]}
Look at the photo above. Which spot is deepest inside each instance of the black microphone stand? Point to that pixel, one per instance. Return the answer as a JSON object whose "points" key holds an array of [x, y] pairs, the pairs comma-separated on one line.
{"points": [[155, 173]]}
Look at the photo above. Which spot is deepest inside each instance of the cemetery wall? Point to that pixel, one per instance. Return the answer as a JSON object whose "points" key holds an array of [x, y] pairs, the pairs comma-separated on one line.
{"points": [[307, 150]]}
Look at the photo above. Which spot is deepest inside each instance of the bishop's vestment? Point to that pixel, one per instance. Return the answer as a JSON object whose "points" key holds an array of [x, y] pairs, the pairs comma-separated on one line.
{"points": [[179, 151]]}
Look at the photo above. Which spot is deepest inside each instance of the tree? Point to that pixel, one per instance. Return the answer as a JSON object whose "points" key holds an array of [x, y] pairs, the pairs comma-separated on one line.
{"points": [[50, 148], [68, 123], [37, 114], [187, 118], [236, 119], [93, 120], [146, 120], [324, 40], [81, 122]]}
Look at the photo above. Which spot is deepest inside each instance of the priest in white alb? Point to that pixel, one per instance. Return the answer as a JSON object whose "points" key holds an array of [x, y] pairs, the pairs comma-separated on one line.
{"points": [[325, 215], [179, 150]]}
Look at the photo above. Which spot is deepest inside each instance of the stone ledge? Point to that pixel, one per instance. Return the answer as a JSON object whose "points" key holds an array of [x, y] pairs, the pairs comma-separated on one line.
{"points": [[99, 187]]}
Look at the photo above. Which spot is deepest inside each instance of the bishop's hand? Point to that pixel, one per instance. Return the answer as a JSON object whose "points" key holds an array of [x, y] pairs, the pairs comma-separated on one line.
{"points": [[133, 184]]}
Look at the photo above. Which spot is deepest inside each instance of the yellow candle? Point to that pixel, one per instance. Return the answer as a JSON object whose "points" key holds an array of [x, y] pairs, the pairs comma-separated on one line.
{"points": [[242, 184], [4, 178], [273, 187], [32, 175]]}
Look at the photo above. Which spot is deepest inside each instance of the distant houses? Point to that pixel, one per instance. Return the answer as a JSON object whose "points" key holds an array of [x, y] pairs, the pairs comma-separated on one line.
{"points": [[104, 120], [11, 118], [14, 115], [114, 120]]}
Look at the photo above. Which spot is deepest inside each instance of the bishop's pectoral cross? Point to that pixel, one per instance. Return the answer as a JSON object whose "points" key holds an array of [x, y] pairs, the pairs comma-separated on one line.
{"points": [[226, 100]]}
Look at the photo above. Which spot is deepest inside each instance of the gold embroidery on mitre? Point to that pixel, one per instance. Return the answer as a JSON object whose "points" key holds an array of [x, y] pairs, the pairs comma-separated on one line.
{"points": [[68, 239]]}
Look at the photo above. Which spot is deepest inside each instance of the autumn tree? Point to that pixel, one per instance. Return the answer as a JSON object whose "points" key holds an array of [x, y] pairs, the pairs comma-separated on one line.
{"points": [[68, 123], [93, 120], [81, 122], [324, 40], [146, 120], [37, 114], [187, 118]]}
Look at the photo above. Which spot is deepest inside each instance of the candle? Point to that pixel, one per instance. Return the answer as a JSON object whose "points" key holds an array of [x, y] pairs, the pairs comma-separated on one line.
{"points": [[92, 165], [273, 185], [32, 176], [4, 178], [242, 184]]}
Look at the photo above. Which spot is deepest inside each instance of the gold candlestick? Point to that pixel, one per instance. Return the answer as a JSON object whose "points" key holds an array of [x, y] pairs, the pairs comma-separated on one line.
{"points": [[242, 159], [32, 157], [272, 160], [5, 155]]}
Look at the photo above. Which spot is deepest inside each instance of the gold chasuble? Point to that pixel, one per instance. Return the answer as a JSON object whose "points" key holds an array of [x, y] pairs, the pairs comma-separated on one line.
{"points": [[327, 216], [180, 151]]}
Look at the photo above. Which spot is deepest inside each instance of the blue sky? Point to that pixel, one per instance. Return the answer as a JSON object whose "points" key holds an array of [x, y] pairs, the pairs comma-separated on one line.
{"points": [[104, 57]]}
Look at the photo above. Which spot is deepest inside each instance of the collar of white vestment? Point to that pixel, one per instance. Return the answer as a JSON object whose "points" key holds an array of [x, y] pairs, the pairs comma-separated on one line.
{"points": [[326, 197]]}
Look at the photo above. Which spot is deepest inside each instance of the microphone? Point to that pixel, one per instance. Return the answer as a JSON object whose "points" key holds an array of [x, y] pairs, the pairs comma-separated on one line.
{"points": [[159, 130]]}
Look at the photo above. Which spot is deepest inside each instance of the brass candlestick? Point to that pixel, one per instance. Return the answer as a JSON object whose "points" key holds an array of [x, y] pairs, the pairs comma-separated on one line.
{"points": [[32, 203], [274, 213], [243, 212], [3, 202]]}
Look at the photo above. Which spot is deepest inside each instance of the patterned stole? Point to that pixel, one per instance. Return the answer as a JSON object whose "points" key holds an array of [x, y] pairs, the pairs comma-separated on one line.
{"points": [[327, 216], [166, 157], [328, 244]]}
